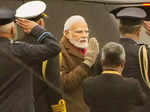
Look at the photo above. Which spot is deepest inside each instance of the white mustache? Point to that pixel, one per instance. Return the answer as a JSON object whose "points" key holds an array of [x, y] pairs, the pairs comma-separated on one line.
{"points": [[83, 39]]}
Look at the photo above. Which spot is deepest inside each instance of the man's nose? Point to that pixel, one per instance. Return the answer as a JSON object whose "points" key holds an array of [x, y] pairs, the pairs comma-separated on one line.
{"points": [[85, 34]]}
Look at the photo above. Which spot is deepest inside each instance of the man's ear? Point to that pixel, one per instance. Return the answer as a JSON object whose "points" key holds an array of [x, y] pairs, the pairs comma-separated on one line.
{"points": [[66, 33], [101, 62], [41, 22], [122, 64], [13, 30], [139, 31]]}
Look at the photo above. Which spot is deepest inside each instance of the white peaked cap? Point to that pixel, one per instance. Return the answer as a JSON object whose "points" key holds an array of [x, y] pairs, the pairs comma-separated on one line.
{"points": [[30, 9]]}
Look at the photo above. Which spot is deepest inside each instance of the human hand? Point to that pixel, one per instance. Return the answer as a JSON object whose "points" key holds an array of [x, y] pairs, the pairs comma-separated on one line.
{"points": [[27, 25], [147, 27], [92, 52]]}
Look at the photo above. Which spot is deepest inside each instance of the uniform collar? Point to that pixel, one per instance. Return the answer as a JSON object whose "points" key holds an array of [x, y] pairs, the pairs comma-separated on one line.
{"points": [[128, 39], [111, 72]]}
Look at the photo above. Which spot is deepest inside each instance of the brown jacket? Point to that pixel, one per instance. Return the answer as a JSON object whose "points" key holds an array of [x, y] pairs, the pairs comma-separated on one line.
{"points": [[73, 71]]}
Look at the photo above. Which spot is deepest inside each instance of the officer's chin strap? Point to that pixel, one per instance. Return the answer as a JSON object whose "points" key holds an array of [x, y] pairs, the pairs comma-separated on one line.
{"points": [[143, 62]]}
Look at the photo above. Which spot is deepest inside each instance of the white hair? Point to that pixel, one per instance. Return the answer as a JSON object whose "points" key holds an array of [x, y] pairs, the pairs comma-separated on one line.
{"points": [[6, 28], [71, 20], [113, 51]]}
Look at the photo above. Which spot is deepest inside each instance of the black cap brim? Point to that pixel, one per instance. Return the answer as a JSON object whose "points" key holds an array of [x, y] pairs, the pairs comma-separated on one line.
{"points": [[6, 16], [131, 21]]}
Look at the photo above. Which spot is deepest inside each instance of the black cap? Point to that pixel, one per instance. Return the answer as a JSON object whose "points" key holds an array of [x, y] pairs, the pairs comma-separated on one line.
{"points": [[131, 16], [6, 16], [131, 21]]}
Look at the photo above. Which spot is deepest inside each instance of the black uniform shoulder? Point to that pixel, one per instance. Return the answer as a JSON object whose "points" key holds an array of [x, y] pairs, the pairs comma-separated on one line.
{"points": [[143, 45], [127, 42], [131, 81], [90, 80]]}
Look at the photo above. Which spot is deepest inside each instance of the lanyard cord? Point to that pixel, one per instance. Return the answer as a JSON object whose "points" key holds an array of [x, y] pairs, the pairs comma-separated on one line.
{"points": [[144, 66]]}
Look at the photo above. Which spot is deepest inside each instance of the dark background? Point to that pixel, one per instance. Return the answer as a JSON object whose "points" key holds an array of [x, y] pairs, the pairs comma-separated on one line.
{"points": [[100, 22]]}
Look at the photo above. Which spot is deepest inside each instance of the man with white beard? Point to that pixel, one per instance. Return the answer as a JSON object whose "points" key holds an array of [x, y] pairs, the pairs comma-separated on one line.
{"points": [[79, 55]]}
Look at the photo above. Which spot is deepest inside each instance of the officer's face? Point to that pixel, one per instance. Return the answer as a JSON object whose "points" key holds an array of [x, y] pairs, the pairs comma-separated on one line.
{"points": [[14, 30], [79, 34], [41, 22]]}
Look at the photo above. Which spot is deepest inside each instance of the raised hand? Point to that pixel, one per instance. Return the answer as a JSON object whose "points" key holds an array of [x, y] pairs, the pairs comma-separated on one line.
{"points": [[92, 52], [26, 25], [147, 27]]}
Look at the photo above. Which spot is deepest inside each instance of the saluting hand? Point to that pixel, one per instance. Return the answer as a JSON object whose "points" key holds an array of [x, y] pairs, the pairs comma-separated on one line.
{"points": [[147, 27], [27, 25]]}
